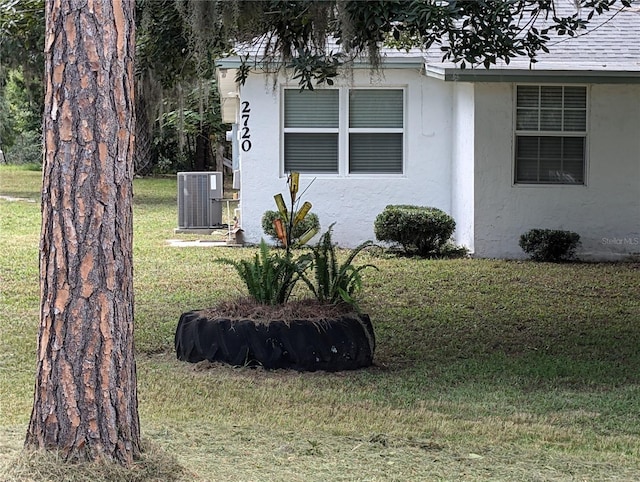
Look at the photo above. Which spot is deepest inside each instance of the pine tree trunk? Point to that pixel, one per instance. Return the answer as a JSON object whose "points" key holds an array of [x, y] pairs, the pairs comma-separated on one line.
{"points": [[85, 400]]}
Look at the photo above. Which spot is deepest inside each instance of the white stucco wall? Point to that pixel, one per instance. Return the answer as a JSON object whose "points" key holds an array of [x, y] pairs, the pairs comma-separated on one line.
{"points": [[459, 157], [351, 201], [462, 170], [605, 211]]}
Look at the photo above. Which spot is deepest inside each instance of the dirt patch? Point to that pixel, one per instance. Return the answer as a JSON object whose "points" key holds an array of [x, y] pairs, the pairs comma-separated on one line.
{"points": [[17, 199]]}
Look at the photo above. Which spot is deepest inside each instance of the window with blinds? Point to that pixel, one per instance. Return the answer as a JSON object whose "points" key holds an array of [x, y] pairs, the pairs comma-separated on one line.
{"points": [[369, 129], [376, 131], [311, 128], [551, 129]]}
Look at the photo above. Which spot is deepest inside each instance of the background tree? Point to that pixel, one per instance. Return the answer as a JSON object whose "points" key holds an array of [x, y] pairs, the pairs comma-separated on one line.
{"points": [[161, 50], [20, 119], [177, 106], [22, 41], [85, 401], [21, 88], [179, 125]]}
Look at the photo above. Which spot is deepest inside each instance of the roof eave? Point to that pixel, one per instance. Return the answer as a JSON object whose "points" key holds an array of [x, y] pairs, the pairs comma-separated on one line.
{"points": [[386, 62], [229, 63], [539, 76]]}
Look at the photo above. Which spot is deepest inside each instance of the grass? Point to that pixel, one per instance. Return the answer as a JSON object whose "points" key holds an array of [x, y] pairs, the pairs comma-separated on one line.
{"points": [[484, 369]]}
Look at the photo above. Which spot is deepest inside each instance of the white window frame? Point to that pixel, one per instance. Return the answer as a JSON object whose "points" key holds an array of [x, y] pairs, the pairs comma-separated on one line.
{"points": [[540, 133], [344, 132]]}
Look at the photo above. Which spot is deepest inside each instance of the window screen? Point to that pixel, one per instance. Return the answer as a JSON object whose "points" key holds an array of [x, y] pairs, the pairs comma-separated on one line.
{"points": [[311, 152], [376, 108], [308, 109], [375, 153]]}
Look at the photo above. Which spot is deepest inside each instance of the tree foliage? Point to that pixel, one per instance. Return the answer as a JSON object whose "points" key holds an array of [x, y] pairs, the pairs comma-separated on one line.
{"points": [[21, 103], [22, 35], [178, 105], [176, 98], [180, 39], [468, 32]]}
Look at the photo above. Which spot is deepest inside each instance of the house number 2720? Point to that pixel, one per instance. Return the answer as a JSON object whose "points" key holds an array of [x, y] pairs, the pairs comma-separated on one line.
{"points": [[245, 133]]}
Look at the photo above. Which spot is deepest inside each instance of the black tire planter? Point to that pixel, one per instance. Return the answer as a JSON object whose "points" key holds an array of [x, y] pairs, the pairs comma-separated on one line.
{"points": [[346, 342]]}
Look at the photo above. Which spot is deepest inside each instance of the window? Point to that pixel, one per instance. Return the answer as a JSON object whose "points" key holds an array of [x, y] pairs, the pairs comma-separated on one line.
{"points": [[367, 125], [311, 122], [551, 125]]}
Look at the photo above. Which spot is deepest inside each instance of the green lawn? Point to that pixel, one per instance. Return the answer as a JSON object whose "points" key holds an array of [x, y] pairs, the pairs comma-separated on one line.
{"points": [[484, 369]]}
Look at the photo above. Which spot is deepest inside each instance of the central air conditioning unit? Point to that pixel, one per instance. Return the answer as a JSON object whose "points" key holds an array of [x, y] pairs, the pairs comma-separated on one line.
{"points": [[199, 200]]}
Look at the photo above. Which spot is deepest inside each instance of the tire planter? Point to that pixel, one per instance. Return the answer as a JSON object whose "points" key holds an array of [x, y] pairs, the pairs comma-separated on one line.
{"points": [[346, 342]]}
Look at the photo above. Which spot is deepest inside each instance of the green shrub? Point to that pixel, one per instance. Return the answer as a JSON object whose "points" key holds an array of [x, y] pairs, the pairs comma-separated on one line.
{"points": [[26, 149], [550, 244], [310, 221], [419, 229]]}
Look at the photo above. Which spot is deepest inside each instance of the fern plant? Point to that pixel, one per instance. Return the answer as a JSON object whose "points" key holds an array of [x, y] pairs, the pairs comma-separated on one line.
{"points": [[334, 282], [270, 277]]}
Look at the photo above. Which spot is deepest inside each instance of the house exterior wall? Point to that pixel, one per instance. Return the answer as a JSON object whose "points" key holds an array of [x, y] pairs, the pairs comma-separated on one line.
{"points": [[351, 201], [462, 170], [459, 143], [605, 212]]}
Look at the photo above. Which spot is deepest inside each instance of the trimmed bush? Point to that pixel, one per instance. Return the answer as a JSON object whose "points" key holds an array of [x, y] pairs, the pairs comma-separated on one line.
{"points": [[418, 229], [310, 221], [550, 244]]}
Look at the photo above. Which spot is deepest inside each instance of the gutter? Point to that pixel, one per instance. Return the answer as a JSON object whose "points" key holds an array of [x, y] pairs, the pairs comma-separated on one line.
{"points": [[555, 76], [386, 62], [543, 73]]}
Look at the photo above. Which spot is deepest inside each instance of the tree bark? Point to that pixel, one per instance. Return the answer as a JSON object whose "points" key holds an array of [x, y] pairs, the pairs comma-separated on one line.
{"points": [[143, 159], [203, 149], [85, 398]]}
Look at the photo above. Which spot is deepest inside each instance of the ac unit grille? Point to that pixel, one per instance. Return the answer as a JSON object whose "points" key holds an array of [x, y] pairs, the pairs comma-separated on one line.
{"points": [[199, 200]]}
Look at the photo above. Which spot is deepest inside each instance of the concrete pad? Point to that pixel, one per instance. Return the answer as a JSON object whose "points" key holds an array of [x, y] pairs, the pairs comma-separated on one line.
{"points": [[201, 243]]}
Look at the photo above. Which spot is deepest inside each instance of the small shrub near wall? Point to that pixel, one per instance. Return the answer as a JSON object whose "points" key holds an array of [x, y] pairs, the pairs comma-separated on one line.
{"points": [[310, 221], [418, 229], [551, 245]]}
